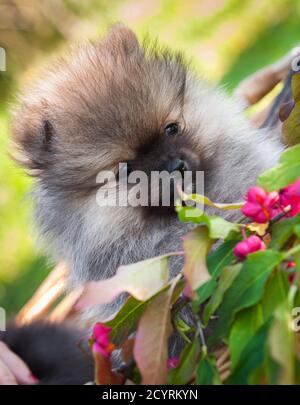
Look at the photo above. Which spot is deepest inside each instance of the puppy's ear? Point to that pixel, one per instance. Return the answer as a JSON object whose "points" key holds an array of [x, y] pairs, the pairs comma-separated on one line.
{"points": [[33, 135], [122, 38]]}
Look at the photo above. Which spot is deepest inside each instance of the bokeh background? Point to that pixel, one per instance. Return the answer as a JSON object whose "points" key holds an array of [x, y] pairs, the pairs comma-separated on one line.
{"points": [[227, 40]]}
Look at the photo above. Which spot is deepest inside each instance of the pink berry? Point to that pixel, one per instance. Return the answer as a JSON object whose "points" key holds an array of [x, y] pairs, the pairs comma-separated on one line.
{"points": [[247, 246]]}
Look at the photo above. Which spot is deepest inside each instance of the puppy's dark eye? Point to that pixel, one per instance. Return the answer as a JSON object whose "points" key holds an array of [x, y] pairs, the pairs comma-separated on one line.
{"points": [[124, 171], [172, 129]]}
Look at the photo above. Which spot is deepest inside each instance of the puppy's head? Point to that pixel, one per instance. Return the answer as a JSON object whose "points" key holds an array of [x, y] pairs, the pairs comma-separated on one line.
{"points": [[109, 102], [116, 102]]}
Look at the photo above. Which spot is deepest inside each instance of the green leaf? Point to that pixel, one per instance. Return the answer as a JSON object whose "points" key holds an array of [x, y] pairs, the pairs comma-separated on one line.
{"points": [[189, 214], [221, 257], [226, 279], [275, 293], [250, 319], [282, 344], [282, 231], [207, 372], [126, 320], [243, 329], [286, 172], [218, 227], [297, 230], [252, 356], [189, 357], [216, 262], [203, 293], [290, 156], [247, 288]]}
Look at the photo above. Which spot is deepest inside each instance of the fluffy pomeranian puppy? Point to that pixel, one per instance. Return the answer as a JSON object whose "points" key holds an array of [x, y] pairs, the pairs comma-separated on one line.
{"points": [[115, 101]]}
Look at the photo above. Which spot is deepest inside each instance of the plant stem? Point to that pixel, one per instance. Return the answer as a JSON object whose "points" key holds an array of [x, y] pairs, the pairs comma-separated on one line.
{"points": [[278, 217], [292, 251], [201, 335]]}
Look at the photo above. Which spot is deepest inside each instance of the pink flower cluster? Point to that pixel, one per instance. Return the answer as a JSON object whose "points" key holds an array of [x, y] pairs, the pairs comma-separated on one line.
{"points": [[262, 206], [100, 338], [290, 196]]}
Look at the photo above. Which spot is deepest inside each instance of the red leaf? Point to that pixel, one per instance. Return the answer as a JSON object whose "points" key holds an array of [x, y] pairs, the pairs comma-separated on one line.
{"points": [[151, 342], [196, 246], [103, 373]]}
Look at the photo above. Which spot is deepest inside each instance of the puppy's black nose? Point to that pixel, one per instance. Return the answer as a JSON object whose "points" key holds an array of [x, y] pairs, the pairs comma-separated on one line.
{"points": [[176, 165]]}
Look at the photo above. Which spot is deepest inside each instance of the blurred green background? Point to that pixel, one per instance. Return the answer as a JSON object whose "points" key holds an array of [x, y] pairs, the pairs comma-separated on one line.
{"points": [[227, 39]]}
